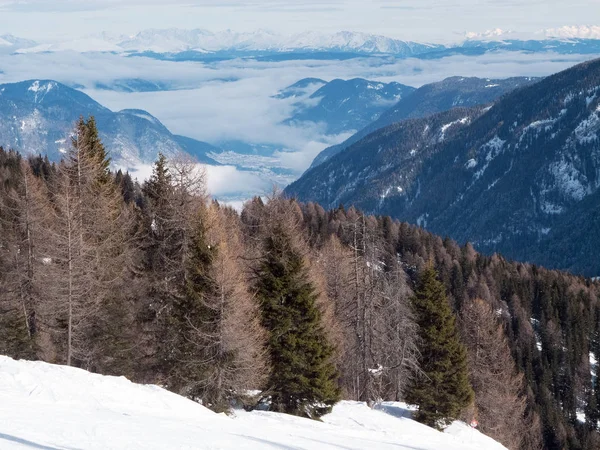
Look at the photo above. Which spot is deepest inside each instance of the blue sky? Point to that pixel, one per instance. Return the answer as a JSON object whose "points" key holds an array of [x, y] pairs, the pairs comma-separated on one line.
{"points": [[421, 20]]}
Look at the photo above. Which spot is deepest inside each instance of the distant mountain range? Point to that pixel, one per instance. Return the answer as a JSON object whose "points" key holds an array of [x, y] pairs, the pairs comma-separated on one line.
{"points": [[203, 44], [343, 105], [37, 116], [432, 98], [521, 177]]}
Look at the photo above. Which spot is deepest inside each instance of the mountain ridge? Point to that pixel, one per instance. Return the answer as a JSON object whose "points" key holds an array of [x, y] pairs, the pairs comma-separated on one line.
{"points": [[507, 181], [433, 98], [179, 41], [38, 117], [343, 105]]}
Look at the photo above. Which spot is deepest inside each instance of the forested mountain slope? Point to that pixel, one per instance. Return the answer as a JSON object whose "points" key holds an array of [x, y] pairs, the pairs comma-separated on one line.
{"points": [[346, 105], [433, 98], [154, 282], [521, 179]]}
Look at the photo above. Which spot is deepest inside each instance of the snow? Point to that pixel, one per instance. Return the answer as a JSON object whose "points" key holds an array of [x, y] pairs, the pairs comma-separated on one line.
{"points": [[445, 127], [45, 406], [470, 164], [575, 31], [179, 40], [587, 130], [569, 180], [40, 89], [142, 115], [493, 148]]}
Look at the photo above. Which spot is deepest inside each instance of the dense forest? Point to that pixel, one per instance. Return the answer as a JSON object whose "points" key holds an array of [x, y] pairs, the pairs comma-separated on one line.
{"points": [[285, 305]]}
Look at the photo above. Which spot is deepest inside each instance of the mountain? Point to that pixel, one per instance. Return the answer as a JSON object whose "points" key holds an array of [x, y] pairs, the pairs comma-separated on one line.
{"points": [[10, 43], [305, 86], [198, 44], [37, 116], [347, 105], [521, 178], [433, 98], [177, 40]]}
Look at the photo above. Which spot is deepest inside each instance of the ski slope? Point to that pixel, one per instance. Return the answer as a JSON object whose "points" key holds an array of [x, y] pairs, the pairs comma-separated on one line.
{"points": [[49, 407]]}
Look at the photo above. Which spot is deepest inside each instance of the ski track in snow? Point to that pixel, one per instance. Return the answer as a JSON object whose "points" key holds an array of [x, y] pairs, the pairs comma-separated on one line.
{"points": [[49, 407]]}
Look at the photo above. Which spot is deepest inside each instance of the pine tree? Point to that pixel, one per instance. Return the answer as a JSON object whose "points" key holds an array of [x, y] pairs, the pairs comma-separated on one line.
{"points": [[303, 380], [443, 390]]}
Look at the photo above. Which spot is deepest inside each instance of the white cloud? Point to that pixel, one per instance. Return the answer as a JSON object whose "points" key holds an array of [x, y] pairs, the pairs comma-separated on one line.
{"points": [[221, 181], [428, 20], [242, 108], [580, 31]]}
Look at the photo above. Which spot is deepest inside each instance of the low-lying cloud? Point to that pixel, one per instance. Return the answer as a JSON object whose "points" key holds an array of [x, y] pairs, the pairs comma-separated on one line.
{"points": [[233, 100]]}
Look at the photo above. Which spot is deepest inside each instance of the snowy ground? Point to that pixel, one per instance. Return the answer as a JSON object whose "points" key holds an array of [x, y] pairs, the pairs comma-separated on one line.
{"points": [[49, 407]]}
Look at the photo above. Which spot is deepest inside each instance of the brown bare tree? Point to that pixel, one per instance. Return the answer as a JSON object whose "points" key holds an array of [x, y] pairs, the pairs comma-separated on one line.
{"points": [[500, 403]]}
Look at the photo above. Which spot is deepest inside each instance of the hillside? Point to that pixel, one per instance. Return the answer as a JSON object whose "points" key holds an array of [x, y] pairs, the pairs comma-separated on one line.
{"points": [[346, 105], [521, 179], [50, 407], [430, 99], [38, 116]]}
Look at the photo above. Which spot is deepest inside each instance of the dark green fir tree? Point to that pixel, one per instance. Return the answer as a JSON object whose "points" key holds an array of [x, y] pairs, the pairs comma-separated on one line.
{"points": [[442, 391], [87, 141], [303, 378], [191, 319]]}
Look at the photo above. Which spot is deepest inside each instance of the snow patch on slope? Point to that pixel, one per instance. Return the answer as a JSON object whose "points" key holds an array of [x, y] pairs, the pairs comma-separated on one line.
{"points": [[587, 131], [492, 149], [48, 406], [444, 128]]}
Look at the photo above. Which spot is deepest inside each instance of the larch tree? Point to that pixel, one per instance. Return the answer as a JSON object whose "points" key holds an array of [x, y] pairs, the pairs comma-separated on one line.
{"points": [[221, 353], [374, 308], [443, 391], [87, 252], [23, 211], [500, 406]]}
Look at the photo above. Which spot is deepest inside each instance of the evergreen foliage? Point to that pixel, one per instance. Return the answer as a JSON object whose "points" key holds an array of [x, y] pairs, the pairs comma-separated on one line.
{"points": [[142, 267], [191, 318], [443, 390], [303, 379], [87, 140]]}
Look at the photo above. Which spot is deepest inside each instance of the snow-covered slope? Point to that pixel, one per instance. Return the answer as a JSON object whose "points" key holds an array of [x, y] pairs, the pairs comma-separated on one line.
{"points": [[37, 116], [50, 407]]}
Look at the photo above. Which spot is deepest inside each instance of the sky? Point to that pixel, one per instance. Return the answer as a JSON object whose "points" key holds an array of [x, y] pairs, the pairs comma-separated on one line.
{"points": [[420, 20]]}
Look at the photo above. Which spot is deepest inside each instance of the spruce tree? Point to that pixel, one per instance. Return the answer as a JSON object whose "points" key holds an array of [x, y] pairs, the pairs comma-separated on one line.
{"points": [[443, 390], [303, 379], [191, 318], [87, 140]]}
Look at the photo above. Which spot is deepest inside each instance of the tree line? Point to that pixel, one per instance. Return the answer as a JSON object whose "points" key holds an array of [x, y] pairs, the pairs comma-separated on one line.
{"points": [[286, 304]]}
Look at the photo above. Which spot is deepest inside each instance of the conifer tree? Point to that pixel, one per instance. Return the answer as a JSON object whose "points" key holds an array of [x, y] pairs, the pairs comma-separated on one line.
{"points": [[87, 140], [220, 351], [443, 390], [499, 402], [88, 251], [303, 379]]}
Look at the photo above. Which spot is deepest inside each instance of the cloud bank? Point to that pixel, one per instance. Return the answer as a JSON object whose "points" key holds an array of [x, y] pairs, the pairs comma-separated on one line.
{"points": [[421, 20]]}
